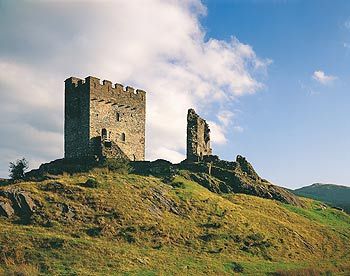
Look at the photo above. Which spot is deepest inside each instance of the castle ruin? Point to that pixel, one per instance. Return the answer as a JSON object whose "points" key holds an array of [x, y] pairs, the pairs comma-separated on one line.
{"points": [[103, 120], [198, 137]]}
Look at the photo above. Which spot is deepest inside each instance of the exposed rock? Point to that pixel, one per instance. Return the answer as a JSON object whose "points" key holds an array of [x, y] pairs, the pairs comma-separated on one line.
{"points": [[6, 209], [211, 183], [23, 204], [54, 186], [60, 188], [60, 166], [160, 168], [236, 177], [20, 202], [338, 208], [160, 202], [244, 166], [66, 211]]}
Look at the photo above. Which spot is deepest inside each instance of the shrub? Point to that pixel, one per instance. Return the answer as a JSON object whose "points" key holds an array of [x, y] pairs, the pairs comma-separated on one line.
{"points": [[17, 169], [117, 165], [177, 184], [94, 232], [236, 267], [91, 183]]}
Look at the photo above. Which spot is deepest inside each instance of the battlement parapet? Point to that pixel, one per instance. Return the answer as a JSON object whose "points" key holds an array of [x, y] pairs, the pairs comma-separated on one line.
{"points": [[72, 82], [105, 86]]}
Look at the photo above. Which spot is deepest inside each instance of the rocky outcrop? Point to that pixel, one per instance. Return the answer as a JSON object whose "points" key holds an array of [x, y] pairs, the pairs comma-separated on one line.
{"points": [[222, 176], [16, 202], [242, 165], [60, 166], [6, 209], [247, 181]]}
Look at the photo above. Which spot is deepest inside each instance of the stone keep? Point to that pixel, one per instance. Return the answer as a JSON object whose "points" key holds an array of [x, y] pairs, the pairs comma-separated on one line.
{"points": [[198, 137], [103, 120]]}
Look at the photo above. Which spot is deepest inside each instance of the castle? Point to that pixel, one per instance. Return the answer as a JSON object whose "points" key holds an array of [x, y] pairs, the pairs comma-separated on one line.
{"points": [[103, 120], [198, 137], [108, 121]]}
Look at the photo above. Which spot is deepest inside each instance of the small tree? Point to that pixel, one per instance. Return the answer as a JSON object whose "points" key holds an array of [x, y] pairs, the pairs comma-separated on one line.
{"points": [[18, 168]]}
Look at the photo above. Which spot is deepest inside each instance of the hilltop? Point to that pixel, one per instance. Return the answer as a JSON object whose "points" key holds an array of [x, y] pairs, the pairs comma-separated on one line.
{"points": [[107, 221], [335, 195]]}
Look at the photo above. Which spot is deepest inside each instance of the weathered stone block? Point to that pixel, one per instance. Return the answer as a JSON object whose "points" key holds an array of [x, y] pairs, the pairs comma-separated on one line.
{"points": [[6, 209]]}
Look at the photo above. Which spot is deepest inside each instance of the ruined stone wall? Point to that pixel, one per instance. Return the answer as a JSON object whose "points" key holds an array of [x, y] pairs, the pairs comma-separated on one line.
{"points": [[114, 114], [76, 123], [198, 137]]}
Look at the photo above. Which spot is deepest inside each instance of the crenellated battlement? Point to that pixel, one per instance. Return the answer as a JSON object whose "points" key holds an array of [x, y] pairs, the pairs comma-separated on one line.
{"points": [[98, 109], [105, 87]]}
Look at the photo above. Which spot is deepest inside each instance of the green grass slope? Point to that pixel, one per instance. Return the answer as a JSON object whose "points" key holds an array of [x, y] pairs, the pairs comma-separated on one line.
{"points": [[335, 195], [138, 225]]}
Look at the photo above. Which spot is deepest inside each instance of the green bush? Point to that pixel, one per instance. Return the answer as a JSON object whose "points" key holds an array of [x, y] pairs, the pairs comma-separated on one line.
{"points": [[117, 165], [236, 267], [91, 183], [17, 169]]}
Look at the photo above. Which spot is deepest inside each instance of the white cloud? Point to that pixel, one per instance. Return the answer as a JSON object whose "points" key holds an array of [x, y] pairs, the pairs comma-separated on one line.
{"points": [[217, 133], [346, 45], [219, 130], [225, 117], [158, 47], [347, 24], [238, 129], [322, 78]]}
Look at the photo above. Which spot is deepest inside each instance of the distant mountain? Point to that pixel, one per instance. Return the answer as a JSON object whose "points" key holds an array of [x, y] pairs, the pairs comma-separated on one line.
{"points": [[335, 195]]}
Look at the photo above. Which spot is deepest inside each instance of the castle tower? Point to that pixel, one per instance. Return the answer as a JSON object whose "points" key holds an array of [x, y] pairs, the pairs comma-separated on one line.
{"points": [[198, 137], [103, 120]]}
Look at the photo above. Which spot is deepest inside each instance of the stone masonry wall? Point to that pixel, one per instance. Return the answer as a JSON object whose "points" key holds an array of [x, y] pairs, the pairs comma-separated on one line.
{"points": [[115, 114], [198, 137], [76, 123]]}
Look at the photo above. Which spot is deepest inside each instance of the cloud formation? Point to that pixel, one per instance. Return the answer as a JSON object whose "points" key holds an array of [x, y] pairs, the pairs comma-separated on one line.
{"points": [[225, 117], [159, 47], [322, 78], [347, 24]]}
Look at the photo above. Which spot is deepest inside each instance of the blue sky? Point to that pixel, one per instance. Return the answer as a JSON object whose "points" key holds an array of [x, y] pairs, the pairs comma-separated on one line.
{"points": [[296, 130], [270, 76]]}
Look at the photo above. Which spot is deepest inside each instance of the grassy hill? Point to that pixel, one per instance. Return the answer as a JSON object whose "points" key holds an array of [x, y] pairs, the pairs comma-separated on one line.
{"points": [[127, 224], [334, 195]]}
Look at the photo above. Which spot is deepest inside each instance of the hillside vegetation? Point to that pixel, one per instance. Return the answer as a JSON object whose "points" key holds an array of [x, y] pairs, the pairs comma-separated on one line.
{"points": [[335, 195], [107, 223]]}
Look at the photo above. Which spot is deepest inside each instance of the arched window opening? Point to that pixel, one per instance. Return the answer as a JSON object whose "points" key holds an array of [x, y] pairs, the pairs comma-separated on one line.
{"points": [[123, 137], [104, 134], [117, 116]]}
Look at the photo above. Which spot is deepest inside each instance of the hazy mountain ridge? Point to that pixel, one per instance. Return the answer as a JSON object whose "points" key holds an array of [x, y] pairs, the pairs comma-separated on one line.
{"points": [[335, 195]]}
